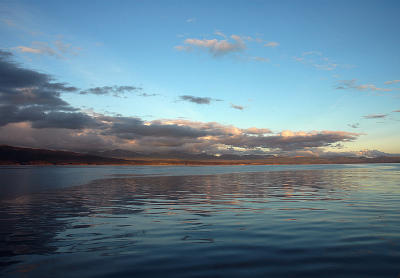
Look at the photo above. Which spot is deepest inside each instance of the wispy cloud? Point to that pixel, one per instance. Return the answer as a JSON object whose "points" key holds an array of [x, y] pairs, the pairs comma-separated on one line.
{"points": [[191, 20], [352, 84], [392, 82], [214, 46], [375, 116], [57, 49], [219, 33], [271, 44], [355, 125], [9, 22], [238, 107], [317, 60], [259, 59], [17, 25]]}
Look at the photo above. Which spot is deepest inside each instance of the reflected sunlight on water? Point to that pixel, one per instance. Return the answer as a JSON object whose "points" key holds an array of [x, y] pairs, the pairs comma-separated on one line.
{"points": [[289, 223]]}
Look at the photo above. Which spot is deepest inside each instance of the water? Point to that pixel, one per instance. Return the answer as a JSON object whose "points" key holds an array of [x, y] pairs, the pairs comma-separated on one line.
{"points": [[227, 221]]}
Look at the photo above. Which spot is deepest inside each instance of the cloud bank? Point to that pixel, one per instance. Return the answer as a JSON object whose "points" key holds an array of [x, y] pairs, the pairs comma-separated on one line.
{"points": [[33, 114]]}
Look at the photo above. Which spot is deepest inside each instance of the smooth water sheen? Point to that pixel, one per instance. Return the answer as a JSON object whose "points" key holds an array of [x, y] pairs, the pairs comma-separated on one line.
{"points": [[230, 221]]}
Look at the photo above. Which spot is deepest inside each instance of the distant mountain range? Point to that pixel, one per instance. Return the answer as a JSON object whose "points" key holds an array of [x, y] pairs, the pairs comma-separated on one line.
{"points": [[10, 155]]}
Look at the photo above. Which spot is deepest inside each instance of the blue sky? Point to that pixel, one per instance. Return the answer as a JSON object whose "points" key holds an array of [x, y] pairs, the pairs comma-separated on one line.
{"points": [[282, 62]]}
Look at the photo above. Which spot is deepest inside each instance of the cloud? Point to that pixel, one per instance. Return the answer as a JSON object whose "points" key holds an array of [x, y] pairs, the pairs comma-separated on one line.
{"points": [[317, 60], [258, 131], [191, 20], [116, 91], [356, 125], [397, 111], [238, 107], [183, 48], [392, 82], [147, 95], [214, 46], [58, 49], [271, 44], [375, 116], [219, 33], [259, 59], [33, 114], [9, 22], [24, 87], [351, 84], [29, 96], [198, 100]]}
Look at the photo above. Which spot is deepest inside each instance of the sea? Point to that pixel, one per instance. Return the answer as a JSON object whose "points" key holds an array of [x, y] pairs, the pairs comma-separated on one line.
{"points": [[200, 221]]}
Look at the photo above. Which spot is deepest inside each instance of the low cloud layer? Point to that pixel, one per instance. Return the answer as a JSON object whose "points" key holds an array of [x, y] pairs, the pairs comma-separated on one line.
{"points": [[33, 113]]}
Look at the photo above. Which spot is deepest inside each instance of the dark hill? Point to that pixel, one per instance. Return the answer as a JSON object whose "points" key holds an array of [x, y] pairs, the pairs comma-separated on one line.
{"points": [[17, 155]]}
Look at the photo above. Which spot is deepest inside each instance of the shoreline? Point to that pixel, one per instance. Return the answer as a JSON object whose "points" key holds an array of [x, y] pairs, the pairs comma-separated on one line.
{"points": [[196, 163]]}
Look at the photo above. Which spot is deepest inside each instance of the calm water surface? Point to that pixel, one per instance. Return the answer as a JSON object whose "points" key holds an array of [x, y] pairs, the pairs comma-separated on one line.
{"points": [[229, 221]]}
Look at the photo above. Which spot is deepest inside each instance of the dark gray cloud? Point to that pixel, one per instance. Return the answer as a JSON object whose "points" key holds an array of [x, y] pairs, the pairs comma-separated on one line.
{"points": [[25, 87], [67, 120], [375, 116], [238, 107], [133, 128], [30, 96], [355, 125], [198, 100], [41, 119], [116, 91]]}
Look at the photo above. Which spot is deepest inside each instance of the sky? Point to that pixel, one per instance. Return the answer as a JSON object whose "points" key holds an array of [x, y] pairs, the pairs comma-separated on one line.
{"points": [[263, 77]]}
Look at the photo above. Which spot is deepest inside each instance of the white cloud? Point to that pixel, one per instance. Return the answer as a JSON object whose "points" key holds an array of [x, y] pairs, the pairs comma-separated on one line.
{"points": [[214, 46]]}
